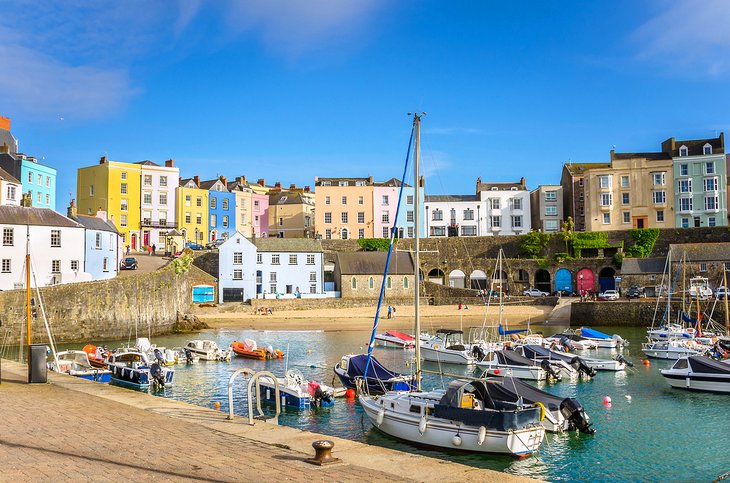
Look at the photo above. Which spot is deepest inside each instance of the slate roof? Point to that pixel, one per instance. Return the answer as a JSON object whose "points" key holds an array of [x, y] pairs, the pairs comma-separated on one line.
{"points": [[288, 198], [5, 176], [373, 263], [19, 215], [392, 182], [501, 186], [641, 266], [6, 137], [336, 181], [450, 198], [271, 244], [147, 162], [650, 156], [695, 146], [206, 185], [95, 223], [581, 168], [701, 252]]}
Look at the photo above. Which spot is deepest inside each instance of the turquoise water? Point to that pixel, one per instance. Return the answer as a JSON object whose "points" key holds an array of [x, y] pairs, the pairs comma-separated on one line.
{"points": [[659, 434]]}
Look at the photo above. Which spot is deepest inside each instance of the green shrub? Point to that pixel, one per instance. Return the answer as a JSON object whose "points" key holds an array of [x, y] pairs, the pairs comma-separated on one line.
{"points": [[618, 260], [374, 244], [645, 239], [534, 243]]}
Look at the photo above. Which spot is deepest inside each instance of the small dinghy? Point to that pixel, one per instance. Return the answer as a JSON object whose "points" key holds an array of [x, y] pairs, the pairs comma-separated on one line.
{"points": [[393, 338], [380, 379], [207, 350], [603, 340], [133, 369], [699, 373], [672, 349], [250, 350], [76, 363], [296, 391], [510, 363], [569, 364]]}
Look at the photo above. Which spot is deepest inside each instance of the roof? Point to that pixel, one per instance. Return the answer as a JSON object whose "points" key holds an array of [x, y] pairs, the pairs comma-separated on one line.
{"points": [[5, 176], [701, 252], [288, 198], [450, 198], [19, 215], [695, 146], [580, 168], [336, 181], [147, 162], [369, 263], [650, 156], [271, 244], [392, 182], [501, 186], [206, 185], [95, 223], [640, 266]]}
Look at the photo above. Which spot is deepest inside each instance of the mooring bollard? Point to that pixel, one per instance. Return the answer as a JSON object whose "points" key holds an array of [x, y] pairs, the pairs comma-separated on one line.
{"points": [[323, 453]]}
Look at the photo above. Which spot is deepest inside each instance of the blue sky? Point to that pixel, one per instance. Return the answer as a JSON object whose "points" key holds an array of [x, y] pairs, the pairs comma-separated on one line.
{"points": [[286, 90]]}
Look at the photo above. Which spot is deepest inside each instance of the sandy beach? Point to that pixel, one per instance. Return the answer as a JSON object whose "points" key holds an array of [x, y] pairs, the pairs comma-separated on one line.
{"points": [[361, 318]]}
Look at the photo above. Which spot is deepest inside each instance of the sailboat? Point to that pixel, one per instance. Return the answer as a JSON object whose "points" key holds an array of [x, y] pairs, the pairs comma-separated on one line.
{"points": [[463, 416]]}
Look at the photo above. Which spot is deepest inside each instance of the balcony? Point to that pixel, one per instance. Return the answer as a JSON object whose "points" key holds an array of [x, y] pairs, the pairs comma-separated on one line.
{"points": [[148, 223]]}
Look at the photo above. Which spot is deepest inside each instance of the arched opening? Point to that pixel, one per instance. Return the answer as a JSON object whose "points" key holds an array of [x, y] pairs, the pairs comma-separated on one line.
{"points": [[542, 280], [457, 279], [436, 275], [371, 283], [478, 280], [585, 280], [405, 282], [606, 280], [564, 281], [353, 283], [344, 234]]}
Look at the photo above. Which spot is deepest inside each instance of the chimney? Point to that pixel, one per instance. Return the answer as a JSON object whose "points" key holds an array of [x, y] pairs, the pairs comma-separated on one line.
{"points": [[277, 184], [170, 163], [5, 148], [5, 123], [261, 182], [102, 160], [293, 186], [101, 214], [370, 179], [196, 178], [242, 180], [522, 181], [72, 211], [307, 189], [179, 181], [224, 180]]}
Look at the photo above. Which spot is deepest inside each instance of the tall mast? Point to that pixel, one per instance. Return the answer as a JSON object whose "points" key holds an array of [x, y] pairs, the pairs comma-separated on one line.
{"points": [[27, 290], [417, 244], [724, 284]]}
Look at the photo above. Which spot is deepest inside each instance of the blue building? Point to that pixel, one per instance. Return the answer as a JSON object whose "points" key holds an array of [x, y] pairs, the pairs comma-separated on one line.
{"points": [[103, 244], [221, 208]]}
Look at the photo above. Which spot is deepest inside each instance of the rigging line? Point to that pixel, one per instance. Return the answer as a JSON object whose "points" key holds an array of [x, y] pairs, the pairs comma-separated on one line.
{"points": [[387, 259], [656, 308]]}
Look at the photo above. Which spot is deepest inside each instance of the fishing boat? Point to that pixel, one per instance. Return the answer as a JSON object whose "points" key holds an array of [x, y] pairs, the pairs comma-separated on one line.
{"points": [[699, 373], [448, 347], [76, 363], [133, 369], [296, 391], [393, 338], [250, 350], [461, 417], [380, 379], [97, 356], [672, 349], [511, 363], [207, 350]]}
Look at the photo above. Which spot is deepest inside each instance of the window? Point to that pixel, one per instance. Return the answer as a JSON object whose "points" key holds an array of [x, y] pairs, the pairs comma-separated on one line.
{"points": [[606, 199], [55, 238], [213, 220], [604, 182], [438, 231], [551, 196], [272, 276], [385, 200], [660, 215], [386, 232], [684, 169], [711, 203], [607, 218], [437, 215], [410, 232], [123, 220], [580, 182], [409, 216], [40, 195], [710, 184], [658, 179], [198, 218], [30, 177], [310, 259], [496, 221], [163, 180], [55, 266], [344, 234], [344, 200], [225, 221], [409, 199], [272, 288], [685, 185], [343, 217], [75, 265], [551, 210], [11, 192], [468, 214], [281, 221], [238, 274], [275, 259], [256, 204], [312, 276], [147, 198], [237, 258], [342, 183], [326, 200], [685, 222], [187, 217], [703, 267], [123, 188], [389, 282], [711, 221], [328, 234], [659, 197], [371, 283], [5, 265], [225, 203], [198, 201], [213, 203], [468, 231], [685, 204], [683, 151], [105, 264], [353, 283], [292, 259], [517, 221], [91, 190], [405, 282], [124, 175], [625, 198], [551, 225], [385, 216], [360, 200], [361, 233], [624, 181], [494, 203], [97, 241], [328, 217], [360, 217], [8, 237], [627, 216], [40, 180], [163, 199], [148, 180]]}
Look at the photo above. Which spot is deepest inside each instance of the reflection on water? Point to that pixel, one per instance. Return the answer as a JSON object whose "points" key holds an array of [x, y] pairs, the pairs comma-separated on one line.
{"points": [[657, 434]]}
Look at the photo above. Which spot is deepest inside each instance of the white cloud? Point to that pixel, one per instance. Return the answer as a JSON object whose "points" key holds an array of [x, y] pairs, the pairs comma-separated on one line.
{"points": [[690, 37], [433, 163]]}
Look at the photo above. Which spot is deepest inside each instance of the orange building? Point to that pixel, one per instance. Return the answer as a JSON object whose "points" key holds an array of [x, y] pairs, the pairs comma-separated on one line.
{"points": [[344, 208]]}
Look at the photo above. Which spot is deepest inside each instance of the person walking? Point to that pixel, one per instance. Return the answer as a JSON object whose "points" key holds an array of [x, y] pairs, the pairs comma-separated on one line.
{"points": [[154, 248], [394, 312], [149, 250], [390, 311]]}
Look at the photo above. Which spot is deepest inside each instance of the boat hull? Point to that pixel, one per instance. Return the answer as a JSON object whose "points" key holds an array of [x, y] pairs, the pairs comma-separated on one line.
{"points": [[702, 383], [96, 375], [394, 342], [446, 356], [533, 373]]}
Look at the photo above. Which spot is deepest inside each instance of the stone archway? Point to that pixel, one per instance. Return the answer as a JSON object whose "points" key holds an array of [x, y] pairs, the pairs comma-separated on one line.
{"points": [[606, 280], [564, 280], [457, 279], [542, 280], [478, 280], [436, 275], [585, 280]]}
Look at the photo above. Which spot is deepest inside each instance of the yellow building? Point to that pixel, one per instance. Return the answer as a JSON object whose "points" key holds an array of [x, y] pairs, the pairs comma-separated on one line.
{"points": [[291, 214], [344, 208], [113, 187], [192, 211]]}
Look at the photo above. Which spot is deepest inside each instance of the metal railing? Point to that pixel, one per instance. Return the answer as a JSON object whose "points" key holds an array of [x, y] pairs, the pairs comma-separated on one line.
{"points": [[254, 381]]}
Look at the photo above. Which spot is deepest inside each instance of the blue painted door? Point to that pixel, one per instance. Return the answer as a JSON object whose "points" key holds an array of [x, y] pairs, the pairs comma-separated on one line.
{"points": [[564, 280], [203, 294]]}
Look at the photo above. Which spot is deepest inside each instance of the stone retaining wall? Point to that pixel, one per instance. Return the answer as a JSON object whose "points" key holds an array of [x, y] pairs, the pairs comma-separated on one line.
{"points": [[636, 313], [310, 304]]}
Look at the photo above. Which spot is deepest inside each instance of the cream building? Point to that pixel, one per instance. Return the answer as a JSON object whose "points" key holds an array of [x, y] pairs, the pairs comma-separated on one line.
{"points": [[344, 208], [546, 207]]}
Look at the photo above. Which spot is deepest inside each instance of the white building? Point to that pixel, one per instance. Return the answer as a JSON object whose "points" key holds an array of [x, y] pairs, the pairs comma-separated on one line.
{"points": [[270, 267], [10, 189], [158, 201], [507, 207], [56, 247], [454, 215]]}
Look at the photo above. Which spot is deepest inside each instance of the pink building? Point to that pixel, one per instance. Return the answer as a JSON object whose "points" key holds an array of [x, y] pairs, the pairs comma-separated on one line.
{"points": [[260, 214]]}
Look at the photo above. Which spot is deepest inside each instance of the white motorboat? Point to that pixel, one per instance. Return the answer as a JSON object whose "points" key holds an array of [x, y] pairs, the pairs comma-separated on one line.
{"points": [[207, 350], [447, 347], [603, 340], [297, 392], [671, 331], [569, 364], [672, 349], [133, 369], [511, 363], [393, 338], [699, 373], [76, 363], [699, 288]]}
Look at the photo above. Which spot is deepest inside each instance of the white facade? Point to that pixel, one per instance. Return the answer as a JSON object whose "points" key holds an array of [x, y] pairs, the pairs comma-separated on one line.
{"points": [[454, 216], [10, 191], [158, 202], [507, 208], [236, 269], [56, 248]]}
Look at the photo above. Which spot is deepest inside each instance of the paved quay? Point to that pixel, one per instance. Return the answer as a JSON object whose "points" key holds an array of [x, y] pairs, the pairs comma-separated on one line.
{"points": [[70, 429]]}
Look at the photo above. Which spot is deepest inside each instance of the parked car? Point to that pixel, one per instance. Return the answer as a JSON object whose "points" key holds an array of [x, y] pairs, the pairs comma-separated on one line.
{"points": [[533, 292], [608, 295], [721, 293], [215, 244], [633, 292], [194, 246], [129, 263]]}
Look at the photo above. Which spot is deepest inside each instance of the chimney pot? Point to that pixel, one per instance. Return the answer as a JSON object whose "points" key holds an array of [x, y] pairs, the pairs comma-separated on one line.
{"points": [[196, 178], [102, 160], [224, 180], [307, 189], [170, 163], [261, 182], [277, 184], [72, 212], [293, 186], [370, 179], [179, 181], [522, 181]]}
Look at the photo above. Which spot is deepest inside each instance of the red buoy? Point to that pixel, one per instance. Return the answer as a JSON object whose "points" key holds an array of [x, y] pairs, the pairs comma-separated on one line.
{"points": [[350, 394], [496, 372]]}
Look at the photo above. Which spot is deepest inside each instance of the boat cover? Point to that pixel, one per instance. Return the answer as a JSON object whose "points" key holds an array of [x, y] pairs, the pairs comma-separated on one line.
{"points": [[512, 358], [356, 368], [511, 389], [508, 332], [705, 365], [399, 335], [593, 334], [540, 352]]}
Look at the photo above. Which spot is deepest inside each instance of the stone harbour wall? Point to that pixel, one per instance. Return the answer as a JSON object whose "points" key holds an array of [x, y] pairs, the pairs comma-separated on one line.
{"points": [[634, 313]]}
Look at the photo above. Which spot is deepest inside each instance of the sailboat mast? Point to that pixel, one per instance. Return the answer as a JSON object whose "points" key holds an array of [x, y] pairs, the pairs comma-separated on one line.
{"points": [[724, 284], [417, 245], [27, 290]]}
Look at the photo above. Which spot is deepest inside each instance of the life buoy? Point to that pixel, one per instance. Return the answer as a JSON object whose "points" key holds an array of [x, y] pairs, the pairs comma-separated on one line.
{"points": [[542, 410], [482, 435], [422, 425], [379, 418]]}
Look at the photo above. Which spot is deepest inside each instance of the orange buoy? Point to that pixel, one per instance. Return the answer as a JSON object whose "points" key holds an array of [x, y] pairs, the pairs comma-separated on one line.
{"points": [[646, 362], [350, 394], [217, 405], [496, 372]]}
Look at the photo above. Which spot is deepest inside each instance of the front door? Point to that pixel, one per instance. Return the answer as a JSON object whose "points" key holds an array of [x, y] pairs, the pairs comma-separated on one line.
{"points": [[146, 238], [134, 241], [697, 221]]}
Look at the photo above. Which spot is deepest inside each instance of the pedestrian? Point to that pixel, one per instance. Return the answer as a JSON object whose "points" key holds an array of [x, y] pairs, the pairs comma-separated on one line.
{"points": [[149, 250], [390, 311], [394, 312], [154, 248]]}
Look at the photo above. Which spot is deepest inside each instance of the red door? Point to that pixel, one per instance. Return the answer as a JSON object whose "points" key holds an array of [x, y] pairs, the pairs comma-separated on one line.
{"points": [[134, 242], [146, 238], [585, 280]]}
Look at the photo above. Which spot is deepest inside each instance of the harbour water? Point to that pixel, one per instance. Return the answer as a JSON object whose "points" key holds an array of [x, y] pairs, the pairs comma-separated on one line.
{"points": [[657, 434]]}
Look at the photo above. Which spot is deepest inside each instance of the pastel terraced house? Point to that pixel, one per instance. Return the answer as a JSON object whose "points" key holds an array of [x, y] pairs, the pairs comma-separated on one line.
{"points": [[344, 208], [192, 211]]}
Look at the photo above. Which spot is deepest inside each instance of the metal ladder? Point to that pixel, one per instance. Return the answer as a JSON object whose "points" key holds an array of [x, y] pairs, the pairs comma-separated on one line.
{"points": [[254, 381]]}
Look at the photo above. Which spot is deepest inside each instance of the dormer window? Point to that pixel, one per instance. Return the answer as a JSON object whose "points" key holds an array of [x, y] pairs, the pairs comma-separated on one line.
{"points": [[683, 151], [707, 149], [494, 188], [513, 188]]}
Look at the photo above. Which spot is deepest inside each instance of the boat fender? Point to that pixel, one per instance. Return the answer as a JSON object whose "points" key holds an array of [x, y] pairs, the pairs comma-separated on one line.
{"points": [[456, 440], [422, 425], [482, 435], [379, 418], [542, 410]]}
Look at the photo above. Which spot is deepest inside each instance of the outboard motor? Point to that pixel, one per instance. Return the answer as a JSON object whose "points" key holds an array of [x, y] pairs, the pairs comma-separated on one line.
{"points": [[159, 356], [478, 353], [565, 345], [157, 374], [321, 396], [188, 356], [552, 373], [579, 365], [620, 340], [573, 411], [620, 358]]}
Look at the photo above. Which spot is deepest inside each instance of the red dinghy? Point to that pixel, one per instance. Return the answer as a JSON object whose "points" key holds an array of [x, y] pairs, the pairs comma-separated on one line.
{"points": [[393, 338]]}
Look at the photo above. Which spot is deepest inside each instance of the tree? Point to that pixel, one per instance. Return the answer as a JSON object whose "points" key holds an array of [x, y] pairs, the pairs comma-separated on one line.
{"points": [[534, 243], [567, 233]]}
